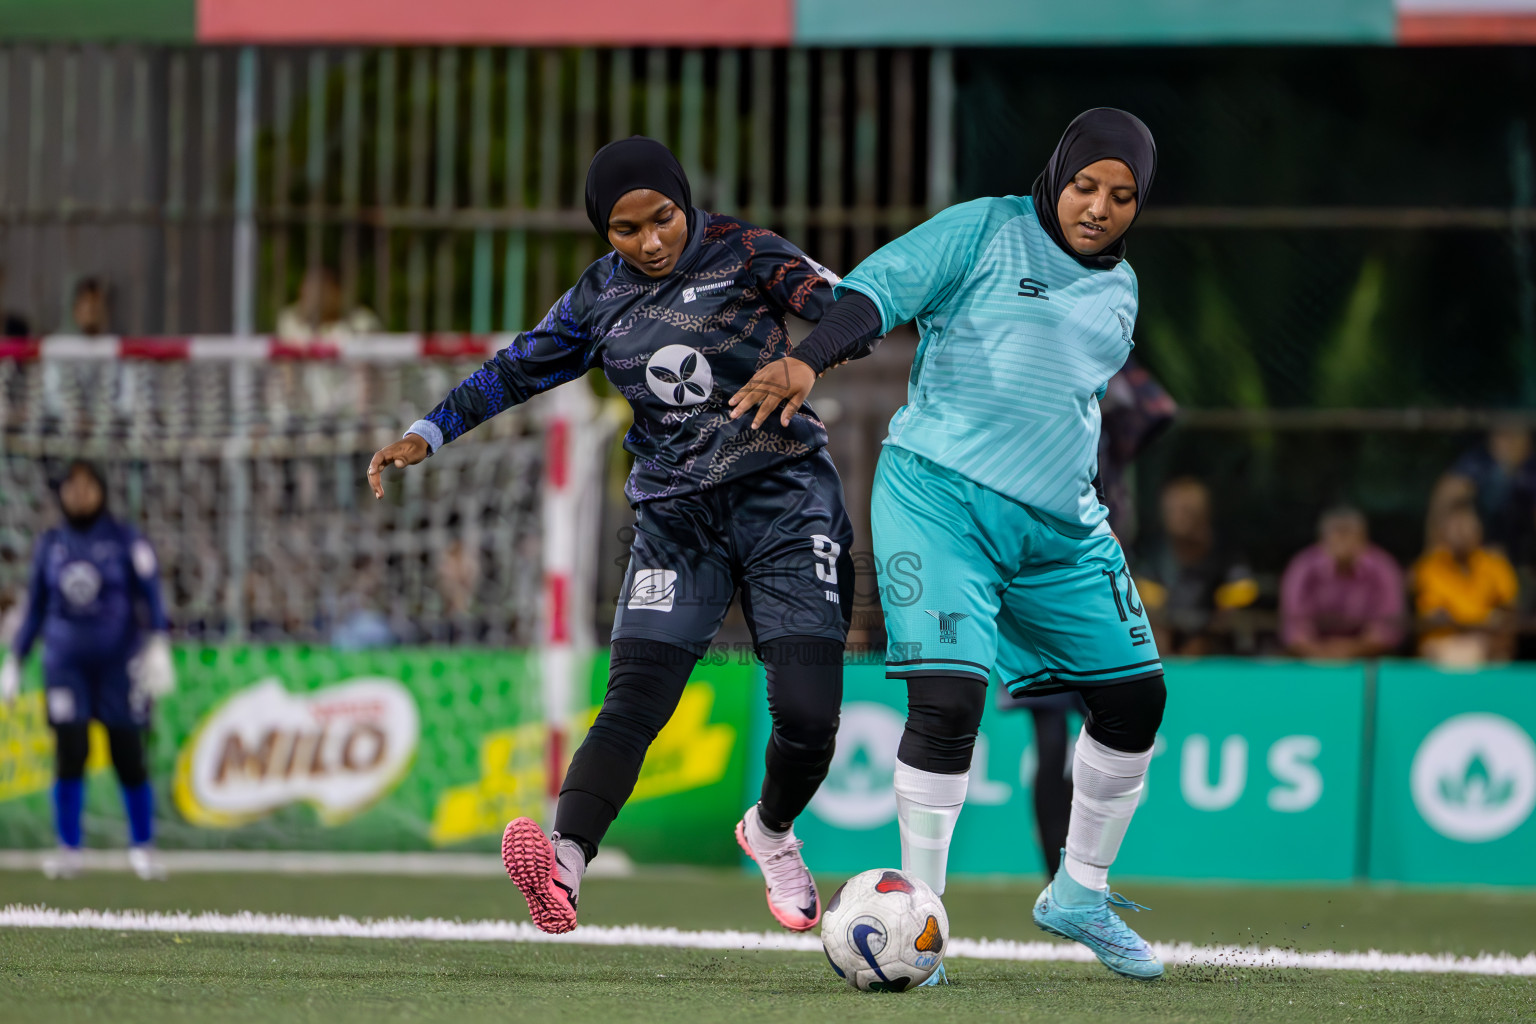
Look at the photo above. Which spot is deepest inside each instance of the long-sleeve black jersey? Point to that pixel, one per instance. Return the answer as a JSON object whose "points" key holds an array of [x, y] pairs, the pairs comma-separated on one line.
{"points": [[677, 347]]}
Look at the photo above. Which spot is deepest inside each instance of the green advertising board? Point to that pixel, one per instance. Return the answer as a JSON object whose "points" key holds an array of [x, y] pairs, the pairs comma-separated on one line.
{"points": [[307, 748], [1258, 772], [1455, 776], [1256, 775]]}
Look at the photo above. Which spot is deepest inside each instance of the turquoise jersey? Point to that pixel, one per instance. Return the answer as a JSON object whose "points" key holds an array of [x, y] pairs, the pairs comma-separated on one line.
{"points": [[1018, 343]]}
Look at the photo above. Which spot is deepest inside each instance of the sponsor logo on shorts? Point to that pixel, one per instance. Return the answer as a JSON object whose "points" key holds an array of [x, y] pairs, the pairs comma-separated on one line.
{"points": [[1474, 777], [653, 590], [61, 705], [949, 625]]}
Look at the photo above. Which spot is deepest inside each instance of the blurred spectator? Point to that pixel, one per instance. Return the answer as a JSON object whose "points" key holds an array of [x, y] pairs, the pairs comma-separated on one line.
{"points": [[359, 624], [1464, 594], [89, 310], [1136, 410], [12, 325], [320, 314], [1498, 477], [1343, 596], [1189, 582]]}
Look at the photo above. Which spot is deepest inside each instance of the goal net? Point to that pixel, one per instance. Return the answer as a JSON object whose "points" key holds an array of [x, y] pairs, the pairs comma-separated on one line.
{"points": [[245, 466]]}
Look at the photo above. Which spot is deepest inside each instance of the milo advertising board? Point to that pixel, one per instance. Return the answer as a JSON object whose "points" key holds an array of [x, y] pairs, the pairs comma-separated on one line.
{"points": [[302, 748]]}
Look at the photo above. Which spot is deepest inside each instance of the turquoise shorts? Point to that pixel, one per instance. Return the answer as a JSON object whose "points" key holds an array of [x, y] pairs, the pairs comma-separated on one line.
{"points": [[972, 582]]}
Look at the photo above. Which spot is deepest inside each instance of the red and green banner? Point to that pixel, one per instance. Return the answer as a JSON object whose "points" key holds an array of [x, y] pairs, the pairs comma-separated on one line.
{"points": [[779, 22]]}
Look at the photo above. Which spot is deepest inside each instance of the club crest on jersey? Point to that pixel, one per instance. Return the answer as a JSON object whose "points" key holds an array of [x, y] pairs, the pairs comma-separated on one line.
{"points": [[80, 583], [679, 375]]}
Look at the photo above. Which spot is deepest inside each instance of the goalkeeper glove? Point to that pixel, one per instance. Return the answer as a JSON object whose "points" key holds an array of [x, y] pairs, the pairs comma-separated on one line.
{"points": [[10, 679], [151, 670]]}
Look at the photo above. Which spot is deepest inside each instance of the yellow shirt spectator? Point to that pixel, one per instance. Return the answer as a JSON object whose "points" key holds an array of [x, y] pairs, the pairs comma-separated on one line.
{"points": [[1468, 592]]}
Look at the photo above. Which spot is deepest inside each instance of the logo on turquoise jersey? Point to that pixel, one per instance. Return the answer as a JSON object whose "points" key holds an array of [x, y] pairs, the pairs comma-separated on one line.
{"points": [[949, 625], [1029, 288]]}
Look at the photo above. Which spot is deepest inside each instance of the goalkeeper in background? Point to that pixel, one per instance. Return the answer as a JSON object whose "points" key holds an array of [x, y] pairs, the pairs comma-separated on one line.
{"points": [[93, 588]]}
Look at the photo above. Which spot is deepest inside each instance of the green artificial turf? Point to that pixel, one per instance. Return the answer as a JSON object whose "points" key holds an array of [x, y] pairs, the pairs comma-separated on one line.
{"points": [[55, 975]]}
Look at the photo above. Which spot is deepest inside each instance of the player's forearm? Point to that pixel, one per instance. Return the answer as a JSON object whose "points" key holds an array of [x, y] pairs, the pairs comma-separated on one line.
{"points": [[21, 645], [159, 622], [32, 620], [850, 330], [473, 401]]}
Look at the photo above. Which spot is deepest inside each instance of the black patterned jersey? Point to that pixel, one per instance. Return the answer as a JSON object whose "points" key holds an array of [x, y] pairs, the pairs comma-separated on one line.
{"points": [[677, 347]]}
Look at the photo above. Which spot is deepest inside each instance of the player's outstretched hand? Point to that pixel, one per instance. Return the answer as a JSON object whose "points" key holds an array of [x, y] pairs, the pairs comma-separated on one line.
{"points": [[786, 380], [408, 451]]}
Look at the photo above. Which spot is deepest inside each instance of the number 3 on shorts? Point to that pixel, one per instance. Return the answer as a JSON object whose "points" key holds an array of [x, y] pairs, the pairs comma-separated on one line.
{"points": [[827, 549]]}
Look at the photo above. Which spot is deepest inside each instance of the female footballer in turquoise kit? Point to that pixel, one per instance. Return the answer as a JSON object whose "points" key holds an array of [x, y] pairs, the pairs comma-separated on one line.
{"points": [[1025, 305]]}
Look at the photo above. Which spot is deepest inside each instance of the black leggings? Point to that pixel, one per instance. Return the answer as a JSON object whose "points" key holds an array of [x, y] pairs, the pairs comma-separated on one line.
{"points": [[645, 682], [72, 745], [944, 713]]}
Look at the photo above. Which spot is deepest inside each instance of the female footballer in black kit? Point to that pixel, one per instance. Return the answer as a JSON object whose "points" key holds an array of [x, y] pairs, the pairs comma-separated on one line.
{"points": [[684, 311]]}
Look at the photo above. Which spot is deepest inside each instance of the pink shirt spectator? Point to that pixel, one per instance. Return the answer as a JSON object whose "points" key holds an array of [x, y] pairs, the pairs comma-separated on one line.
{"points": [[1318, 600]]}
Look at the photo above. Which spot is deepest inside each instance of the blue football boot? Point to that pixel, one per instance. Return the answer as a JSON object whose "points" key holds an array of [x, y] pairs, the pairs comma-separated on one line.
{"points": [[1090, 920], [938, 977]]}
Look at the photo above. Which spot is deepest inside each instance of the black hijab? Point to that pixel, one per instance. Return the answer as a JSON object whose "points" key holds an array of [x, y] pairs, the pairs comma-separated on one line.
{"points": [[1102, 133], [629, 164], [91, 470]]}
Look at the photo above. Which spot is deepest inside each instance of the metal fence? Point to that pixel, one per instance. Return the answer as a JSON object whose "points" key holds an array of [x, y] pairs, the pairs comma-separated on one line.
{"points": [[443, 185]]}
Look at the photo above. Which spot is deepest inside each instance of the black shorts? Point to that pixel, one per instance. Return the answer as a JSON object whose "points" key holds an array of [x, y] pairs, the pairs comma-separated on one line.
{"points": [[782, 537]]}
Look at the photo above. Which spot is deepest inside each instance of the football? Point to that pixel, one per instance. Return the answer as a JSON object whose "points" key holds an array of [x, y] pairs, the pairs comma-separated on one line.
{"points": [[884, 931]]}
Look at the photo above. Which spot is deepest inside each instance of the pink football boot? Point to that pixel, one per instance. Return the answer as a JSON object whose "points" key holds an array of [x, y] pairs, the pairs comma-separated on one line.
{"points": [[547, 873]]}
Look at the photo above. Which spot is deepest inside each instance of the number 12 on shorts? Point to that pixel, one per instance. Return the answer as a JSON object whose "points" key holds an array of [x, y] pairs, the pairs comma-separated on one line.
{"points": [[1139, 634]]}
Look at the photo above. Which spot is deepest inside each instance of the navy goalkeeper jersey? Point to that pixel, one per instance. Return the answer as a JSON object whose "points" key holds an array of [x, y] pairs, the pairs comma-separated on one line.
{"points": [[677, 347], [91, 594]]}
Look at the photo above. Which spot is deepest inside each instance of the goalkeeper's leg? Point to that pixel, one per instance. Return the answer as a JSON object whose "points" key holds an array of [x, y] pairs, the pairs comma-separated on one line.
{"points": [[645, 681], [127, 744], [72, 744]]}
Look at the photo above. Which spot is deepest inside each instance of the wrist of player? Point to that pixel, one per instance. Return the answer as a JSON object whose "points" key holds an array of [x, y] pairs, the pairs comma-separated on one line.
{"points": [[10, 678]]}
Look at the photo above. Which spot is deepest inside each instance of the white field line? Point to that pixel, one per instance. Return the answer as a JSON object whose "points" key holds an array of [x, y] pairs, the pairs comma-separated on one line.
{"points": [[17, 916], [607, 864]]}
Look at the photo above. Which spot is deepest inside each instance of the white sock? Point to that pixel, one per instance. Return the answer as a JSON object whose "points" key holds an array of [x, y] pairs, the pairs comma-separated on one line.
{"points": [[1106, 785], [927, 807]]}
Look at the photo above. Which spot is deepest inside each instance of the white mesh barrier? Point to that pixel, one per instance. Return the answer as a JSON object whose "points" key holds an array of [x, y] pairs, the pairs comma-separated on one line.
{"points": [[248, 476]]}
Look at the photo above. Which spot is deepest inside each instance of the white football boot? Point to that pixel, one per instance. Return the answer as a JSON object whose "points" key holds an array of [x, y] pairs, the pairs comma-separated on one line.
{"points": [[792, 895]]}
